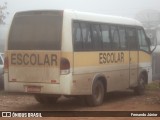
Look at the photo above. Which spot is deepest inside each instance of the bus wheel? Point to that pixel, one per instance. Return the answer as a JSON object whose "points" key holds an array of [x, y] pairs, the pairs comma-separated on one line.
{"points": [[97, 94], [140, 89], [46, 99]]}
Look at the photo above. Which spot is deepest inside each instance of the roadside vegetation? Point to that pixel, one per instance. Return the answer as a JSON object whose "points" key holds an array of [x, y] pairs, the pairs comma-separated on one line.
{"points": [[155, 85]]}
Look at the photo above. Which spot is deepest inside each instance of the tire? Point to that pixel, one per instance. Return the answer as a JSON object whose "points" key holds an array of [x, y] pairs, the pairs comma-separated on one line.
{"points": [[46, 99], [97, 94], [140, 89]]}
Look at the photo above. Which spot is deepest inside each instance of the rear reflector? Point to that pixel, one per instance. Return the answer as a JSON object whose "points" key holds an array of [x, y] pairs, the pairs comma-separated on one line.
{"points": [[14, 80], [65, 66], [53, 81]]}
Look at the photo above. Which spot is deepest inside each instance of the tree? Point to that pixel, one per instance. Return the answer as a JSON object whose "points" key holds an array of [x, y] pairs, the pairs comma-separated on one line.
{"points": [[149, 18], [3, 13]]}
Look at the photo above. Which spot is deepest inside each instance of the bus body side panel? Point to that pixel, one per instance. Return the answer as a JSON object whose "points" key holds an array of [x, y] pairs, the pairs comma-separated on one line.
{"points": [[112, 64], [145, 64], [133, 67]]}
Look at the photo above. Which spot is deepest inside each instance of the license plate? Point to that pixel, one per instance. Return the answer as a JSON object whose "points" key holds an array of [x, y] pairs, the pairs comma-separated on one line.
{"points": [[33, 89]]}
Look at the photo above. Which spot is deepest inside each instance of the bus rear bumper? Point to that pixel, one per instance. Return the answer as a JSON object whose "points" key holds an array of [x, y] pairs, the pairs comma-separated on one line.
{"points": [[33, 88], [66, 86]]}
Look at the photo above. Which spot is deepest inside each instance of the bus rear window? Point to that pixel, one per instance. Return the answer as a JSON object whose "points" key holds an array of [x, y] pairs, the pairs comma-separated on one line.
{"points": [[36, 30]]}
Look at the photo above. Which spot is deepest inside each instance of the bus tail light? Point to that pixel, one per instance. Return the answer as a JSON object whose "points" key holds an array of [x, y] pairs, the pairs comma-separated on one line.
{"points": [[64, 66], [6, 64]]}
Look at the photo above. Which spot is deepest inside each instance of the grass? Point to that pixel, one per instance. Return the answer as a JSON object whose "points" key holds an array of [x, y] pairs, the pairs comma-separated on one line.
{"points": [[155, 85]]}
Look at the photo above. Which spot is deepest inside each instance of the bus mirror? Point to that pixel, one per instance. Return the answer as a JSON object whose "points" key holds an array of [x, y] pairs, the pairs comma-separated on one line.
{"points": [[152, 46]]}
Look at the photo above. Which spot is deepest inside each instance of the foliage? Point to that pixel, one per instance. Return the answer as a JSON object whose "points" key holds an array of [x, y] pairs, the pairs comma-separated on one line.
{"points": [[149, 18], [155, 85], [3, 13]]}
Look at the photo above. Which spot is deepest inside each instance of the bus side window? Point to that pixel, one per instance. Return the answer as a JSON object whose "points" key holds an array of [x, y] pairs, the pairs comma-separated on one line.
{"points": [[132, 39], [106, 37], [96, 36], [142, 41], [77, 36], [86, 35], [122, 35], [115, 38]]}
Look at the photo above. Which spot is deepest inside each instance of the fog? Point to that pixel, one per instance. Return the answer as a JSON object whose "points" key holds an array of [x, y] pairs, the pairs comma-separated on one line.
{"points": [[126, 8], [114, 7]]}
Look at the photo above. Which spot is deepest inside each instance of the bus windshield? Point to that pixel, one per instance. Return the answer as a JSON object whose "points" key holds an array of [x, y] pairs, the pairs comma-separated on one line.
{"points": [[36, 30]]}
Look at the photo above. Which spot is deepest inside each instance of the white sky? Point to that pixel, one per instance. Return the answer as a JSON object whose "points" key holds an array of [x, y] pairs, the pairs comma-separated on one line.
{"points": [[126, 8], [115, 7]]}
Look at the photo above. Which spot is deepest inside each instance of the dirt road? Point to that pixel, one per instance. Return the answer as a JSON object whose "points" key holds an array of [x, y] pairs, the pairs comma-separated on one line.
{"points": [[115, 101]]}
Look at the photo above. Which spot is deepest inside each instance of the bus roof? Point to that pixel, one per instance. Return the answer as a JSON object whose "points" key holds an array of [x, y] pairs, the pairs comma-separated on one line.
{"points": [[86, 16], [94, 17]]}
